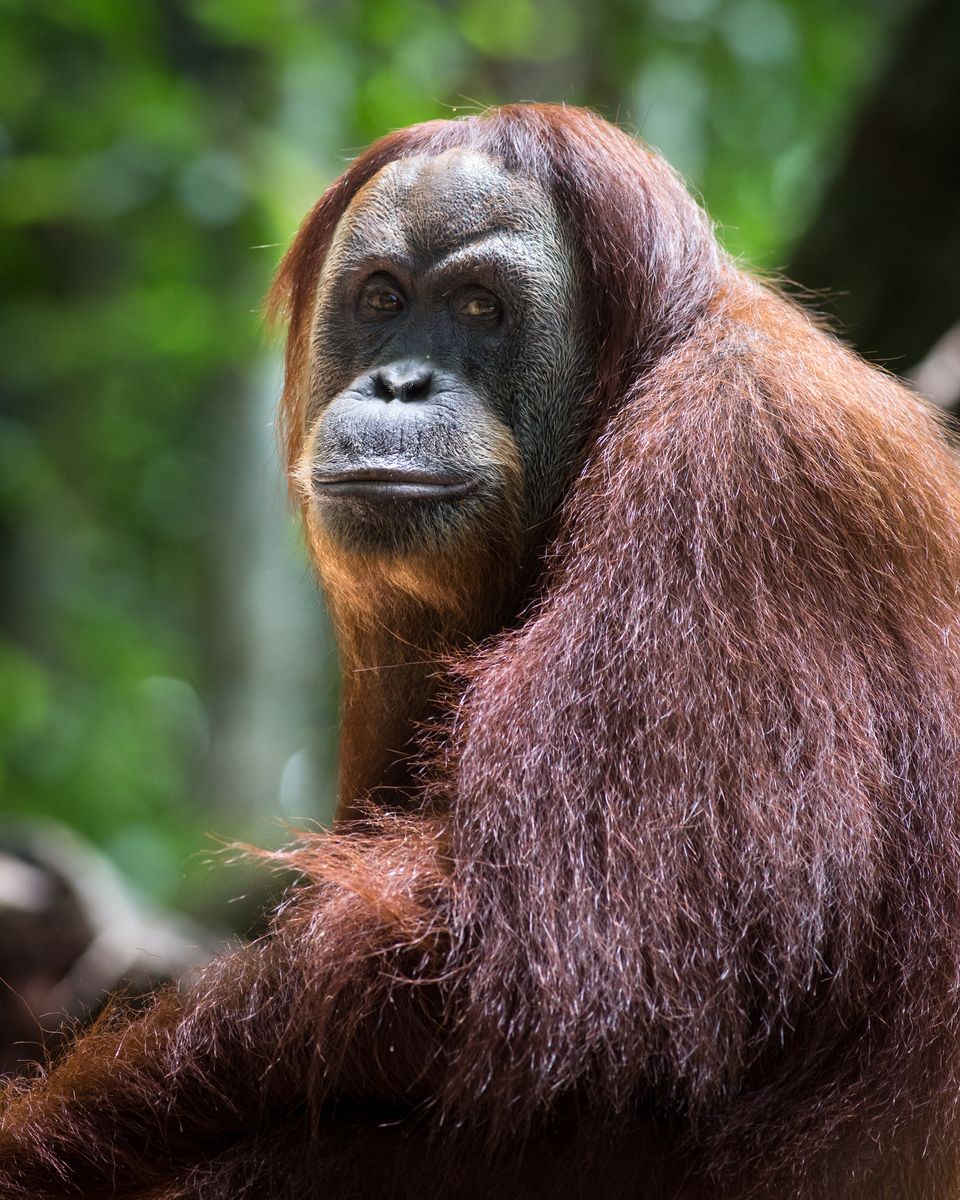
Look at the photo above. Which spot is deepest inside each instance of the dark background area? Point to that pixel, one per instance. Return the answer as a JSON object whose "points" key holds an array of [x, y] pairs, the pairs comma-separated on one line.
{"points": [[166, 673]]}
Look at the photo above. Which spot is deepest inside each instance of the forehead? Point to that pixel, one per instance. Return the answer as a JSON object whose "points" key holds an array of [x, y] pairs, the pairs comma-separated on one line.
{"points": [[428, 206]]}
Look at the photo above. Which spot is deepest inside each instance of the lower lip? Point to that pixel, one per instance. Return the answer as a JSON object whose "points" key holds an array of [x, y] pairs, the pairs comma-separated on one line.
{"points": [[391, 487]]}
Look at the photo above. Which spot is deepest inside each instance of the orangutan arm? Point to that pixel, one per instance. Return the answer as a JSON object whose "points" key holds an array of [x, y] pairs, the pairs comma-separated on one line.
{"points": [[312, 1016]]}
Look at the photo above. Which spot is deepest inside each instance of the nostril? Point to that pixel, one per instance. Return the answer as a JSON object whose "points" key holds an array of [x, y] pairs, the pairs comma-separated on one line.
{"points": [[417, 385], [401, 383], [384, 387]]}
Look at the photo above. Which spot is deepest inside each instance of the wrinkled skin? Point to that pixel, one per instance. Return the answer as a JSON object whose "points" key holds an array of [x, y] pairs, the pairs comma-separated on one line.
{"points": [[448, 364]]}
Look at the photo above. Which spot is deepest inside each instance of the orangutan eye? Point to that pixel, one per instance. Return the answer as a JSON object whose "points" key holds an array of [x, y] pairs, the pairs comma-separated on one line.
{"points": [[380, 297], [479, 308]]}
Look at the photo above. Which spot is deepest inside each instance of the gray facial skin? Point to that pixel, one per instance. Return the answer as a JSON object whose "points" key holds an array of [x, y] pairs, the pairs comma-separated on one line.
{"points": [[449, 367]]}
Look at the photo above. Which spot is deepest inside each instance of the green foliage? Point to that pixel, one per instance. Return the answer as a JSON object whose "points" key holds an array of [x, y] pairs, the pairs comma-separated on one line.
{"points": [[146, 151]]}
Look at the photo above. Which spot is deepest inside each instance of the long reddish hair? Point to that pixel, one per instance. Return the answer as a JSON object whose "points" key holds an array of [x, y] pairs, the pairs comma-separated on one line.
{"points": [[688, 843]]}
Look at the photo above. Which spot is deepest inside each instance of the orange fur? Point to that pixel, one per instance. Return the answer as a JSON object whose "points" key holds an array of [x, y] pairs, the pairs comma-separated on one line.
{"points": [[673, 904]]}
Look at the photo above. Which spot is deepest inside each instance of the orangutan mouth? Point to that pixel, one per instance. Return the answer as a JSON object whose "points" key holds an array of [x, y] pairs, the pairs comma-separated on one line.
{"points": [[391, 483]]}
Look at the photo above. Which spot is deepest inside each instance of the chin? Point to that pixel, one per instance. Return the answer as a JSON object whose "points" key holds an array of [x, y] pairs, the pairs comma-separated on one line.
{"points": [[386, 523]]}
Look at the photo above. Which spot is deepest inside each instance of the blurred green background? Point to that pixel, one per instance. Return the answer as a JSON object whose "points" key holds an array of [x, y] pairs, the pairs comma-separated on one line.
{"points": [[165, 669]]}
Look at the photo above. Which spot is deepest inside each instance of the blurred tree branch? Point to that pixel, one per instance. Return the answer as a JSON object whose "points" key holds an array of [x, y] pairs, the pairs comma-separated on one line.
{"points": [[938, 376], [885, 245]]}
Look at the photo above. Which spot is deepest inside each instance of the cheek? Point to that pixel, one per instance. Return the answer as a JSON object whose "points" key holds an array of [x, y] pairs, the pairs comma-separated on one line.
{"points": [[330, 375], [551, 382], [302, 473]]}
